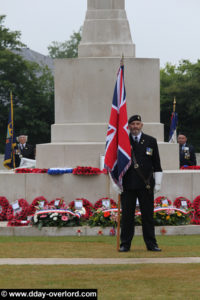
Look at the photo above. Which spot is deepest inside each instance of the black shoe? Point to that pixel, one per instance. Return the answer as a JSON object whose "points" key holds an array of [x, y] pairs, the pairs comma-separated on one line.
{"points": [[154, 249], [123, 249]]}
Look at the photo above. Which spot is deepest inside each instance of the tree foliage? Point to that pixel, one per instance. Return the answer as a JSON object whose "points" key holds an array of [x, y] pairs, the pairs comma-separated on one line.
{"points": [[182, 82], [67, 49], [32, 88]]}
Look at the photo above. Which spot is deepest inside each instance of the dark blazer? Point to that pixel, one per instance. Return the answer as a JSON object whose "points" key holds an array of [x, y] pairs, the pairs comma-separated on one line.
{"points": [[147, 156], [187, 155], [27, 152]]}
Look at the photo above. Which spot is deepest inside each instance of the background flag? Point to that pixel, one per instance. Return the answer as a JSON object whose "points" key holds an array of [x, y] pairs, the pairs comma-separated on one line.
{"points": [[118, 149], [9, 158], [173, 125]]}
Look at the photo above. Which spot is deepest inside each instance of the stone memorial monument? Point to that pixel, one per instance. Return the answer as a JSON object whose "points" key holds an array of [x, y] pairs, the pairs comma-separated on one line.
{"points": [[83, 97], [84, 88]]}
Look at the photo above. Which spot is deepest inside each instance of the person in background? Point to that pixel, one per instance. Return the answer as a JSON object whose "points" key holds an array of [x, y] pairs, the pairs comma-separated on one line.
{"points": [[23, 149], [187, 153], [141, 180]]}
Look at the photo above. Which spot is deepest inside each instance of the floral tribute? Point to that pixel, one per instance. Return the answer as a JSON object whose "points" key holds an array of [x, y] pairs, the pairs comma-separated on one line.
{"points": [[37, 203], [4, 203], [104, 218], [190, 168], [55, 218], [196, 215], [59, 171], [86, 171], [87, 205], [30, 170], [57, 203], [14, 222], [99, 204], [178, 202], [21, 213], [162, 201]]}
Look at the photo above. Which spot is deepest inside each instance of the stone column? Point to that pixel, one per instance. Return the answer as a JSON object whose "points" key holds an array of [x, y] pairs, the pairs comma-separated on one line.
{"points": [[106, 31]]}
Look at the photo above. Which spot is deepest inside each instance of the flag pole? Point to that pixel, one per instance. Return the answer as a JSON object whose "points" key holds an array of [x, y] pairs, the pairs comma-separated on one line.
{"points": [[119, 195], [118, 221], [174, 104]]}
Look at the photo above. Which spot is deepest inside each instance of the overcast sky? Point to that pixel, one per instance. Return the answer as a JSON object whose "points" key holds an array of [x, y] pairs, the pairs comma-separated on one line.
{"points": [[165, 29]]}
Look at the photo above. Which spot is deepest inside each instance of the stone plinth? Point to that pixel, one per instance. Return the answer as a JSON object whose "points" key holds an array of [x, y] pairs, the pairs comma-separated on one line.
{"points": [[69, 186]]}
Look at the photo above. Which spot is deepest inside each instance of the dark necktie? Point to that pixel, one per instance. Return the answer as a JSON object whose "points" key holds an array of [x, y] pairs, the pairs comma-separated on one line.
{"points": [[136, 139]]}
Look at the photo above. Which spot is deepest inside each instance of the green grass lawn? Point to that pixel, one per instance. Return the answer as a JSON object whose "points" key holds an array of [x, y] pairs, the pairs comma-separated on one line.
{"points": [[140, 282], [95, 247]]}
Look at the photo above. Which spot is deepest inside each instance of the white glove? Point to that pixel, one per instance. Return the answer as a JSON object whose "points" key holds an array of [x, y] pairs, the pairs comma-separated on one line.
{"points": [[158, 181]]}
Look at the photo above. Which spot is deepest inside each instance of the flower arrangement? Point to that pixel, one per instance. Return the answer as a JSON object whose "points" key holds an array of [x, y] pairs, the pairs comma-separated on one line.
{"points": [[103, 218], [58, 171], [57, 203], [87, 206], [14, 222], [178, 202], [4, 203], [30, 170], [171, 216], [162, 201], [21, 213], [55, 218], [86, 171], [196, 215], [99, 203], [37, 203]]}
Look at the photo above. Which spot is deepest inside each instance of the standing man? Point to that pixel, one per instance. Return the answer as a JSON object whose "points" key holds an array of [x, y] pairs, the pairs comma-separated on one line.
{"points": [[140, 181], [23, 149], [187, 152]]}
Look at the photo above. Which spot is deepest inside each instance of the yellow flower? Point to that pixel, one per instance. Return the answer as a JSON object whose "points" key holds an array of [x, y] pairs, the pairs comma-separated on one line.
{"points": [[179, 214], [164, 205], [167, 217]]}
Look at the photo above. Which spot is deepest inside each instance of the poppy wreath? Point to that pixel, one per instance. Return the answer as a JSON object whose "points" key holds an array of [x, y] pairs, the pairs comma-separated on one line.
{"points": [[196, 217], [61, 203], [87, 205], [22, 214], [196, 206], [4, 203], [18, 223], [33, 206], [98, 203], [86, 171], [177, 202], [158, 201], [30, 170]]}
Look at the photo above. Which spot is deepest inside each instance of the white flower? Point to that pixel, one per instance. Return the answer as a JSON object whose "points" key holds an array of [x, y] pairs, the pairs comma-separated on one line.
{"points": [[35, 218], [55, 218], [53, 215]]}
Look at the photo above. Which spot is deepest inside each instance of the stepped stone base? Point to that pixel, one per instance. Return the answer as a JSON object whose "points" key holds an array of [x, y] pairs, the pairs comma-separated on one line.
{"points": [[57, 155], [94, 132]]}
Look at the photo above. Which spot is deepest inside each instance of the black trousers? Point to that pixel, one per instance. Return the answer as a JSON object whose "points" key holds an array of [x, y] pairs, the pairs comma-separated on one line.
{"points": [[128, 203]]}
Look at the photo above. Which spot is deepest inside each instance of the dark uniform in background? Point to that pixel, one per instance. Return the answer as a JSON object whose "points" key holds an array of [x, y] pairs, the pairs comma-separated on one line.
{"points": [[140, 185], [186, 152], [24, 150], [187, 155]]}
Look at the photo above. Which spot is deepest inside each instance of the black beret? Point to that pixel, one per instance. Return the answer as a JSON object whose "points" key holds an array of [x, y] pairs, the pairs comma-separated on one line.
{"points": [[134, 118]]}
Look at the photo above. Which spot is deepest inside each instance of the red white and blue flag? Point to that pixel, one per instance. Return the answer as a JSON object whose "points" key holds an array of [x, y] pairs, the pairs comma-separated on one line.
{"points": [[173, 126], [118, 149]]}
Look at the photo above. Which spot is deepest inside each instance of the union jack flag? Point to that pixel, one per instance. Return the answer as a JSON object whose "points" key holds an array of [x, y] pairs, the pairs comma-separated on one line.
{"points": [[118, 149]]}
